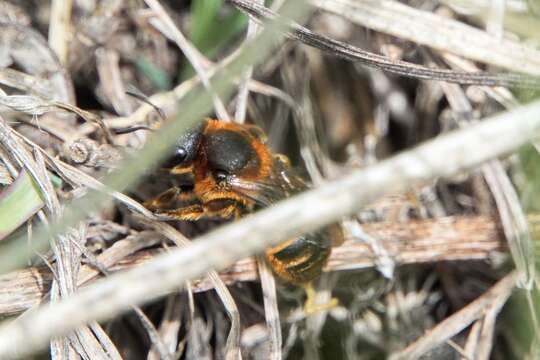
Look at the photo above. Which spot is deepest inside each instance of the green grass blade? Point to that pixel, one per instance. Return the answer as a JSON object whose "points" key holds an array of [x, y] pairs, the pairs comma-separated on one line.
{"points": [[159, 78], [210, 32], [18, 202], [204, 14]]}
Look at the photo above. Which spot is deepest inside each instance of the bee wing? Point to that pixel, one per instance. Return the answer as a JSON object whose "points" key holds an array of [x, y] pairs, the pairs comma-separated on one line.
{"points": [[281, 184]]}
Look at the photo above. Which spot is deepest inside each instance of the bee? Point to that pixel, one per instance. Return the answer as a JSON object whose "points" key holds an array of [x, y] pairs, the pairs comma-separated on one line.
{"points": [[227, 171]]}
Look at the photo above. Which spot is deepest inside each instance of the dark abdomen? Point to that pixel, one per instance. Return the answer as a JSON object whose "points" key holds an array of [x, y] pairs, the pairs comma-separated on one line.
{"points": [[302, 259]]}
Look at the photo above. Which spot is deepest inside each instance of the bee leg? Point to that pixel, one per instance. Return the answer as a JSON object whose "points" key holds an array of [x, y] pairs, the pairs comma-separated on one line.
{"points": [[162, 200], [167, 198], [198, 211], [188, 213], [227, 212], [310, 307]]}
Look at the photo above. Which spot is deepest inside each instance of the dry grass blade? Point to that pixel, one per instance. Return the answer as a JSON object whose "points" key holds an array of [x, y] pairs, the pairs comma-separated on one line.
{"points": [[5, 176], [514, 223], [24, 82], [233, 341], [67, 255], [77, 178], [502, 95], [443, 156], [29, 51], [105, 342], [385, 263], [169, 327], [472, 340], [511, 213], [166, 101], [120, 250], [353, 53], [108, 67], [153, 334], [38, 280], [271, 311], [438, 32], [59, 29], [35, 106], [495, 298], [243, 91]]}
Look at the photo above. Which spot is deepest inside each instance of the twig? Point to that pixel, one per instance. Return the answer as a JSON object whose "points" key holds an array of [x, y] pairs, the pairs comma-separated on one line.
{"points": [[444, 156], [493, 298], [414, 242]]}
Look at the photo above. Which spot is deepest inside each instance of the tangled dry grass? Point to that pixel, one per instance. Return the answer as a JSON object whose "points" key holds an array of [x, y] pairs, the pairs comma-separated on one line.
{"points": [[439, 260]]}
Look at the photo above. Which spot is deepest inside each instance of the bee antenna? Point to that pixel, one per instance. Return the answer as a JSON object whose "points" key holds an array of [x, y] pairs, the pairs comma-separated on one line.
{"points": [[131, 129], [140, 96]]}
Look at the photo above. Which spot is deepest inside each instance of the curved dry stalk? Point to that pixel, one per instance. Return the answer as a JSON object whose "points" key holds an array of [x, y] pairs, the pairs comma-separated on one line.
{"points": [[439, 32], [446, 155], [353, 53]]}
